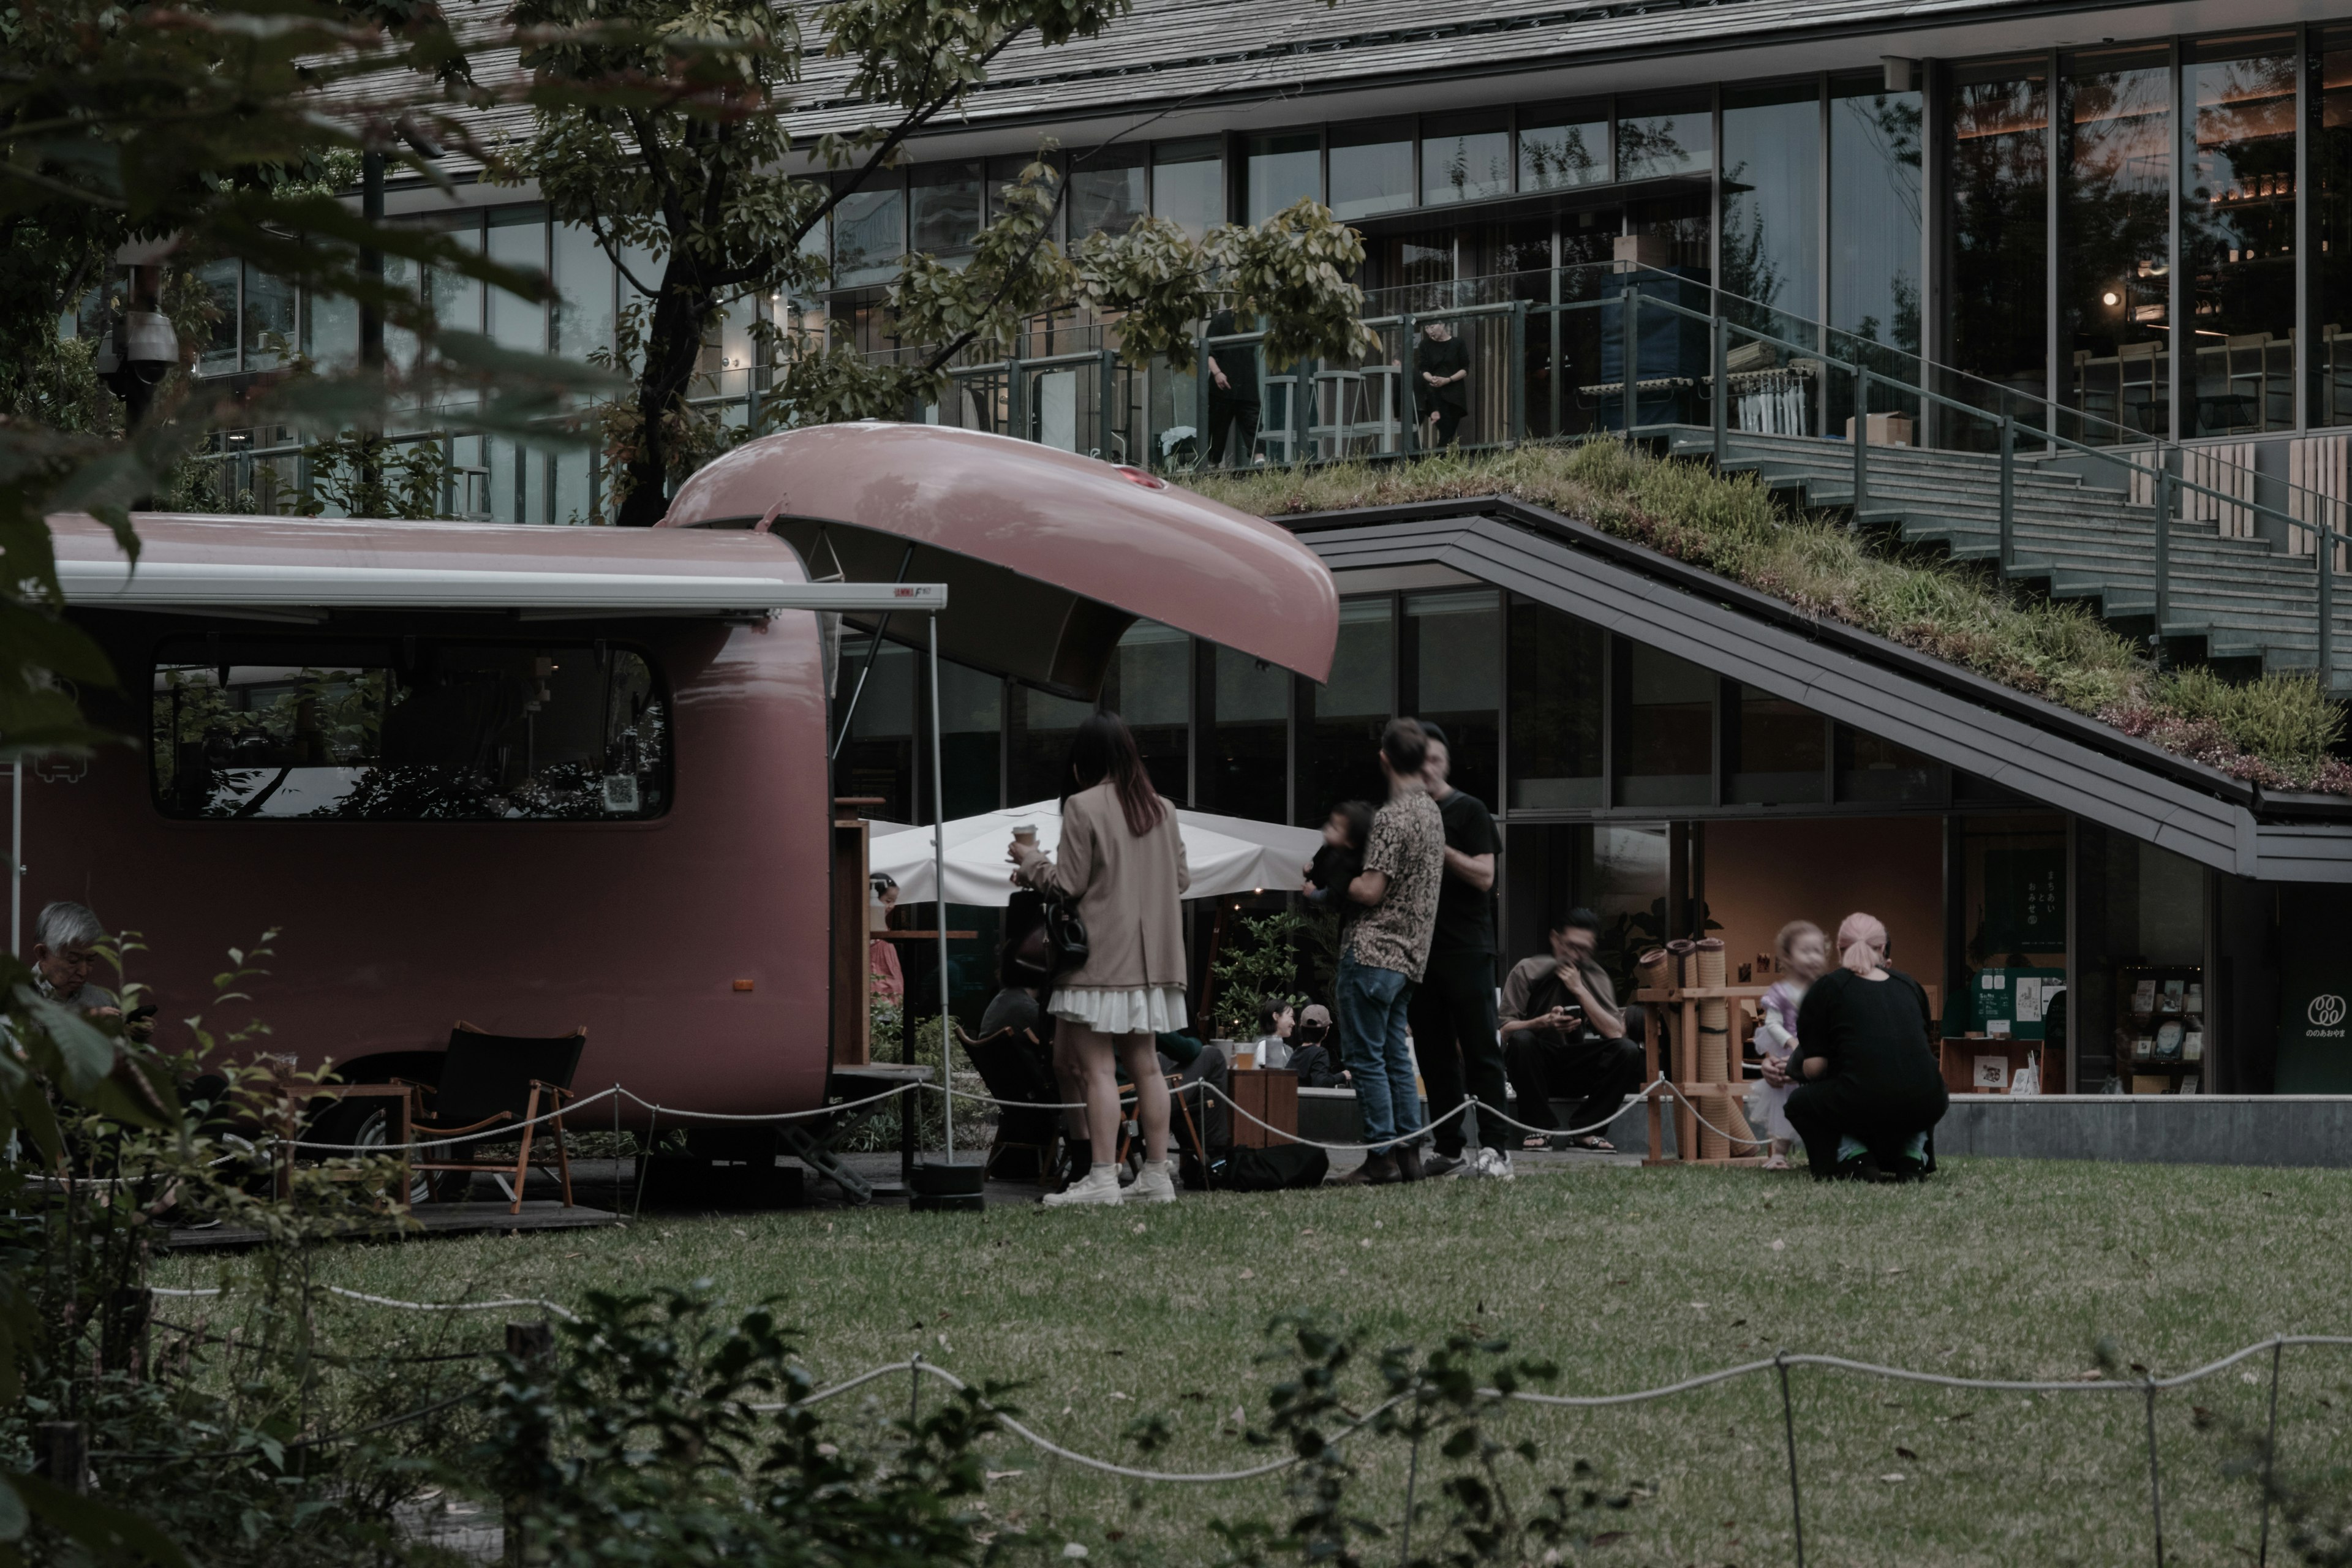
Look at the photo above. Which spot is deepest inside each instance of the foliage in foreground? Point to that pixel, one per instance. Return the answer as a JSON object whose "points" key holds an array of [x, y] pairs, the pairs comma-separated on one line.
{"points": [[2278, 730]]}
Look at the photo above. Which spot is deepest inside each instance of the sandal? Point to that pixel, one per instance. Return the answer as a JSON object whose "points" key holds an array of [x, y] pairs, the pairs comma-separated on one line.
{"points": [[1536, 1142], [1777, 1162], [1594, 1142]]}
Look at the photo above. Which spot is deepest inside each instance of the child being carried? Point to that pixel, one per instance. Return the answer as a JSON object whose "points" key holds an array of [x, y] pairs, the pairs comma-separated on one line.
{"points": [[1804, 954]]}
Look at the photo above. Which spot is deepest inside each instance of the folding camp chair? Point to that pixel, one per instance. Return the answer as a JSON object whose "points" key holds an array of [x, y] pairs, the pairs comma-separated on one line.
{"points": [[489, 1079], [1013, 1071]]}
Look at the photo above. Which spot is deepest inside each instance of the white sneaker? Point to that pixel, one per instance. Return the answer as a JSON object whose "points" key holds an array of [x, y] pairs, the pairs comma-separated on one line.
{"points": [[1151, 1187], [1098, 1185]]}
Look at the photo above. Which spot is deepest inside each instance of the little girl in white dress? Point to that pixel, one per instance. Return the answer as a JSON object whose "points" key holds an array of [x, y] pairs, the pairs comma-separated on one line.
{"points": [[1804, 954]]}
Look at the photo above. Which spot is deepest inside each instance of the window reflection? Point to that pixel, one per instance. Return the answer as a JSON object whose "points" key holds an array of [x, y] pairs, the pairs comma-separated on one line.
{"points": [[944, 202], [1283, 171], [869, 235], [1873, 229], [1774, 748], [1337, 751], [2114, 240], [1565, 145], [1665, 728], [1772, 205], [1670, 134], [1106, 191], [2237, 235], [2331, 263], [1464, 158], [1871, 769], [1557, 667], [1188, 183], [1453, 671], [1999, 230], [1370, 168], [1245, 736], [1148, 686]]}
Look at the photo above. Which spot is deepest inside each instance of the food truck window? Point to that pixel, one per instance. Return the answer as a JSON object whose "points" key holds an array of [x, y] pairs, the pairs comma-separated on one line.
{"points": [[408, 730]]}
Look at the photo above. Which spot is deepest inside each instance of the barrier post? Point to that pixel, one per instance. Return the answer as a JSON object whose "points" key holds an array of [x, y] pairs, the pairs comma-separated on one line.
{"points": [[2163, 553], [2270, 1453], [1788, 1424], [2154, 1493], [2327, 610], [2008, 495]]}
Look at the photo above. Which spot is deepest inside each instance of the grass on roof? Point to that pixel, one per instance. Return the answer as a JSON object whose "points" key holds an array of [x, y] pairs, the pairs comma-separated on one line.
{"points": [[2278, 730], [1626, 1277]]}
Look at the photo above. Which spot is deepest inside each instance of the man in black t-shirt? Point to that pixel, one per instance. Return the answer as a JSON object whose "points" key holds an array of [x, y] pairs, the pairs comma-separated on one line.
{"points": [[1233, 395], [1452, 1013]]}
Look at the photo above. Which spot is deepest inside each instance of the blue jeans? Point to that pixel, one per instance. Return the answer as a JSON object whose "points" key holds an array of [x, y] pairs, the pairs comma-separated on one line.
{"points": [[1372, 1005]]}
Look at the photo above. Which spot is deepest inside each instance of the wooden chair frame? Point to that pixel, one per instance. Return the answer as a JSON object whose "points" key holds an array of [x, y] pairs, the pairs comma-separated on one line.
{"points": [[543, 1096], [1048, 1153]]}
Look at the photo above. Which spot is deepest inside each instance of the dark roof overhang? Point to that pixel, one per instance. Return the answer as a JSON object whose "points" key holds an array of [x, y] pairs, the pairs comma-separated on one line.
{"points": [[2033, 748]]}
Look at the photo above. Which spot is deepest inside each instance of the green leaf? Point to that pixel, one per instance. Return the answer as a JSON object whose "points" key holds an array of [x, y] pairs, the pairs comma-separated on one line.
{"points": [[105, 1531]]}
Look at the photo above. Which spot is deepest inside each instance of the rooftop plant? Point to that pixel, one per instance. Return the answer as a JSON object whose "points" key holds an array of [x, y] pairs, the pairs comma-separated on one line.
{"points": [[2279, 729]]}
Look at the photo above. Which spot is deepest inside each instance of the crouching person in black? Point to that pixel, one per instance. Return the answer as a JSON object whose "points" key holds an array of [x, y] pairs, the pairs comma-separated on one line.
{"points": [[1563, 1036], [1868, 1092]]}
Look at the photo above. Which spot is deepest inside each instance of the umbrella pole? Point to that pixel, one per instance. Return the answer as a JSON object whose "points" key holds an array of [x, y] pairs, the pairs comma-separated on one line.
{"points": [[1209, 974], [940, 891]]}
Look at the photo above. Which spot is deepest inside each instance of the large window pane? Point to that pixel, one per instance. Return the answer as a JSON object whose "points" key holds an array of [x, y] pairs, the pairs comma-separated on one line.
{"points": [[1564, 144], [1245, 736], [584, 279], [2331, 260], [945, 201], [1556, 666], [455, 299], [1337, 753], [421, 730], [1618, 870], [2115, 238], [331, 331], [869, 234], [1151, 688], [1874, 140], [1372, 168], [1774, 750], [1772, 201], [879, 758], [518, 239], [1188, 183], [1999, 227], [2237, 236], [1108, 191], [1665, 728], [1452, 675], [2006, 966], [2140, 966], [217, 354], [1465, 157], [971, 731], [1669, 133], [1283, 170], [1870, 769], [269, 311]]}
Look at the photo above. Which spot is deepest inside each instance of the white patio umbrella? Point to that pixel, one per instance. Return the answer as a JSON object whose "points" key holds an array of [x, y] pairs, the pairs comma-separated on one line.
{"points": [[1226, 855]]}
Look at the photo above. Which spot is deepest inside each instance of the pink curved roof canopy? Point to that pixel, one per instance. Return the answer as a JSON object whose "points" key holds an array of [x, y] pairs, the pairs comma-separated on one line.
{"points": [[1048, 556]]}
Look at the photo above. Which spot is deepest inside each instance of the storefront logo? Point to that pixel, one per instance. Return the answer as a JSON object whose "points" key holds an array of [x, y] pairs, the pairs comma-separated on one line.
{"points": [[2325, 1011]]}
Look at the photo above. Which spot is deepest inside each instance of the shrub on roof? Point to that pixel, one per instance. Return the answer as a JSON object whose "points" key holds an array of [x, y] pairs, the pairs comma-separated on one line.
{"points": [[2278, 730]]}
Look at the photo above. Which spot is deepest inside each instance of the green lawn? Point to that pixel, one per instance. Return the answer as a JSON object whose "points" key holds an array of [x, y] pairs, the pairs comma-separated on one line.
{"points": [[1627, 1277]]}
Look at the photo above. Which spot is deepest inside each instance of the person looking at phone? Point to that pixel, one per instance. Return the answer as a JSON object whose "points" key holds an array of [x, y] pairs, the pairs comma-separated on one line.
{"points": [[64, 948], [1564, 1037]]}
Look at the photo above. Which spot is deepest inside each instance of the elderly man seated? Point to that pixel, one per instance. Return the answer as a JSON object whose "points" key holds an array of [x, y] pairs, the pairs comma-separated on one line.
{"points": [[1563, 1034], [66, 938]]}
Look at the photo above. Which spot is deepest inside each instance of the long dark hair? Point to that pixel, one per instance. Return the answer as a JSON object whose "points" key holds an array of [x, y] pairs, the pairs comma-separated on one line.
{"points": [[1102, 748]]}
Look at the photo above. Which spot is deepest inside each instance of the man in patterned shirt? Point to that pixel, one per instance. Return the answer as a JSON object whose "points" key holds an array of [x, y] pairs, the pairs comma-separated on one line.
{"points": [[1404, 867]]}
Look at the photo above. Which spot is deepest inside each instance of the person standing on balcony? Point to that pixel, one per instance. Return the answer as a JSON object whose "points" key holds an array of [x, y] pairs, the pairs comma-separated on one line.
{"points": [[1442, 361], [1233, 395]]}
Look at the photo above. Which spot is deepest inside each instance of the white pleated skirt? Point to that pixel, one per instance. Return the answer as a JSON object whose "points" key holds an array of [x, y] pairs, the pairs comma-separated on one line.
{"points": [[1113, 1010]]}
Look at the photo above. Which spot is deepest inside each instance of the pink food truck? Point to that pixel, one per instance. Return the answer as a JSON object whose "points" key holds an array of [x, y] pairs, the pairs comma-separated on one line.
{"points": [[537, 778]]}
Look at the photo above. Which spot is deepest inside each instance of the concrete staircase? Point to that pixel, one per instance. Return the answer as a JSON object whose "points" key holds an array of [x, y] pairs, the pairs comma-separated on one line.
{"points": [[2240, 603]]}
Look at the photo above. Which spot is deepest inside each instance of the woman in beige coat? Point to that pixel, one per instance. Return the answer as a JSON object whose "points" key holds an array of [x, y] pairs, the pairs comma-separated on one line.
{"points": [[1122, 859]]}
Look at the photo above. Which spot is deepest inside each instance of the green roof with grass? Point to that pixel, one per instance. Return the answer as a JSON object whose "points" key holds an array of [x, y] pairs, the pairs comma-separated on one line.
{"points": [[2277, 731]]}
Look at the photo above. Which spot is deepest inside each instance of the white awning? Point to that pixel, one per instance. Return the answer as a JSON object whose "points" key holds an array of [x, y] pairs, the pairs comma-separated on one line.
{"points": [[224, 587]]}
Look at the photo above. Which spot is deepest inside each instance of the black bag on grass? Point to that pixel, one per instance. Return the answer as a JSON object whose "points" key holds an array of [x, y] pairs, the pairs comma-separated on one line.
{"points": [[1259, 1170]]}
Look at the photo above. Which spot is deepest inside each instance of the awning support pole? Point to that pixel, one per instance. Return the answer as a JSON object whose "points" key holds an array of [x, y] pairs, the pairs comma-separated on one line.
{"points": [[16, 860], [940, 891]]}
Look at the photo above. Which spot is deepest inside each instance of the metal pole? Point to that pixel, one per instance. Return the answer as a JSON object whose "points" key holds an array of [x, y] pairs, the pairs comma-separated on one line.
{"points": [[2155, 1493], [940, 891], [16, 860], [873, 652], [1720, 329], [1629, 313], [1517, 376], [2164, 553], [1860, 441], [1788, 1424], [2327, 610], [2270, 1453], [1411, 381], [2008, 495]]}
